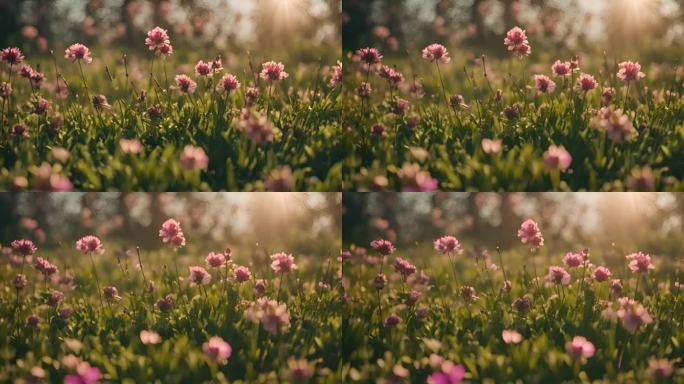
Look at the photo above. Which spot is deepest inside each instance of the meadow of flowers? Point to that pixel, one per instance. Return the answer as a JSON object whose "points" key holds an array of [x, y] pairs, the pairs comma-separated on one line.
{"points": [[442, 118], [452, 313], [99, 120], [93, 311]]}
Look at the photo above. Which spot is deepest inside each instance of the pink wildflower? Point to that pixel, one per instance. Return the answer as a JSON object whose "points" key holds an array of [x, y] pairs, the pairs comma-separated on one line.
{"points": [[90, 245], [149, 337], [640, 262], [283, 262], [185, 84], [111, 294], [24, 247], [199, 275], [203, 69], [217, 350], [242, 274], [369, 56], [383, 247], [557, 157], [272, 315], [12, 56], [448, 244], [561, 68], [194, 158], [586, 82], [544, 84], [573, 260], [630, 71], [78, 52], [404, 267], [273, 72], [379, 281], [491, 146], [558, 275], [215, 260], [511, 336], [601, 274], [530, 234], [436, 52], [448, 374], [172, 234], [157, 38], [228, 84], [392, 320], [580, 348]]}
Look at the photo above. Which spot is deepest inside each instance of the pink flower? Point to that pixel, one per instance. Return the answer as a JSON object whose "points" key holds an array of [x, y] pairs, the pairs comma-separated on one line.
{"points": [[273, 72], [185, 84], [149, 337], [203, 69], [641, 179], [511, 336], [24, 247], [556, 157], [217, 350], [256, 126], [54, 298], [413, 297], [573, 260], [272, 315], [111, 294], [383, 247], [172, 234], [413, 179], [490, 146], [336, 78], [215, 260], [379, 281], [242, 274], [580, 348], [659, 369], [299, 370], [165, 50], [615, 286], [85, 374], [19, 281], [522, 304], [199, 275], [530, 234], [404, 267], [586, 82], [558, 275], [283, 262], [33, 321], [561, 68], [369, 56], [228, 84], [5, 90], [449, 374], [607, 96], [630, 71], [12, 56], [392, 320], [544, 84], [468, 293], [436, 52], [90, 244], [132, 146], [165, 303], [448, 244], [157, 38], [259, 287], [45, 267], [194, 158], [78, 52], [615, 123], [516, 41], [633, 314], [601, 274], [640, 262]]}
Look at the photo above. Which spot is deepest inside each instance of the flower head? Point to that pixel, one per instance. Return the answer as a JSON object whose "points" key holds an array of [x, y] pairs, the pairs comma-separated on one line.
{"points": [[630, 71], [511, 336], [149, 337], [640, 262], [19, 281], [33, 321], [12, 56], [392, 320], [383, 247], [157, 38], [24, 247], [77, 52], [660, 369], [217, 350], [448, 374], [448, 244], [228, 84], [413, 179], [404, 267], [256, 126], [172, 234], [601, 274], [573, 260], [530, 234], [299, 369], [242, 274], [215, 260], [194, 158], [615, 123], [273, 72], [544, 84], [561, 68], [336, 78], [111, 294], [516, 41], [199, 275], [557, 157], [468, 293], [491, 146], [369, 56], [203, 68], [184, 84], [45, 267], [272, 315], [558, 275], [436, 52], [580, 348], [283, 262], [586, 82], [379, 281], [90, 245]]}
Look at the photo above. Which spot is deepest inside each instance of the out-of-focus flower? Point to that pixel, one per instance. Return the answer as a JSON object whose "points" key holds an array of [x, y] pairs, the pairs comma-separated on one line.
{"points": [[448, 244], [641, 179], [404, 267], [280, 180], [544, 84], [561, 68], [530, 234], [215, 260], [165, 303], [413, 179], [392, 320], [272, 315], [228, 84], [586, 82], [24, 247], [194, 158], [242, 274], [601, 274], [511, 336], [336, 78], [383, 247], [111, 294], [557, 157], [273, 72], [630, 71], [19, 281], [256, 126], [132, 146], [615, 123], [379, 281], [558, 275], [449, 374], [185, 84], [491, 146], [436, 52], [616, 286], [659, 369], [12, 56], [217, 350], [283, 262], [90, 245], [640, 262], [78, 52], [580, 348], [172, 234], [149, 337], [299, 369], [199, 275], [259, 287]]}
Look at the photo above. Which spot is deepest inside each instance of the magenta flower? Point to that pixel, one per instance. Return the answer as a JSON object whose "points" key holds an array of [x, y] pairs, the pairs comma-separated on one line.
{"points": [[203, 69], [544, 84], [12, 56], [172, 234], [404, 267], [272, 315], [157, 38], [530, 234], [228, 84], [111, 294], [640, 262], [199, 275], [90, 245], [242, 274], [557, 157], [630, 71], [85, 374], [45, 267], [586, 82], [33, 321], [580, 348], [573, 260], [448, 244], [369, 56], [558, 275], [616, 286], [78, 52], [283, 262], [379, 281], [149, 337], [24, 247], [449, 374], [413, 298], [436, 52], [215, 260], [273, 72], [54, 298], [392, 320], [259, 287], [516, 41], [336, 78], [184, 84], [19, 281], [217, 350], [194, 158], [383, 247], [511, 336], [561, 68], [413, 179], [601, 274]]}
